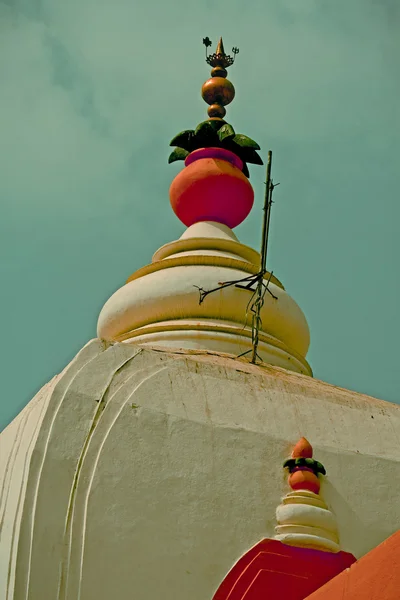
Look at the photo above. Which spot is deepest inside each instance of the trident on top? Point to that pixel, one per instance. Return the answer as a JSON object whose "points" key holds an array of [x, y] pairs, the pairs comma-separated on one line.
{"points": [[219, 58]]}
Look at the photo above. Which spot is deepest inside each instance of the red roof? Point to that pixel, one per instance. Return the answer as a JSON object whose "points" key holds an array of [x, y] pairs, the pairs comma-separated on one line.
{"points": [[279, 572], [376, 576]]}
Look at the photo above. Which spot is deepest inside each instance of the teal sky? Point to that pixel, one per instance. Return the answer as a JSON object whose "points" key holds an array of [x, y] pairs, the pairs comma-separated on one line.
{"points": [[92, 92]]}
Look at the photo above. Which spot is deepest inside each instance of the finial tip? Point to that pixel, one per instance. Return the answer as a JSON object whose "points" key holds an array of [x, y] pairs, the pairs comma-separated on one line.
{"points": [[302, 449], [219, 58], [220, 47]]}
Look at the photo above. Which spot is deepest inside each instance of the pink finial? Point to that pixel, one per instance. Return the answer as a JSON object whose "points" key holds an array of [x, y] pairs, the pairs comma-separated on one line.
{"points": [[212, 187]]}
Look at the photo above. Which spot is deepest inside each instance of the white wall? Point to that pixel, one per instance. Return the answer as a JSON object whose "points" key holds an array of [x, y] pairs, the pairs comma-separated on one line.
{"points": [[153, 472]]}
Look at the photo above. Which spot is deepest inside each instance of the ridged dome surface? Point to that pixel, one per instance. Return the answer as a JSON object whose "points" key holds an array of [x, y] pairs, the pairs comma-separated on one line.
{"points": [[160, 303]]}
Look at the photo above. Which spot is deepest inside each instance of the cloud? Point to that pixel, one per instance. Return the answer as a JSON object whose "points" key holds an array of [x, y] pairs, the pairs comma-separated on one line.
{"points": [[88, 83]]}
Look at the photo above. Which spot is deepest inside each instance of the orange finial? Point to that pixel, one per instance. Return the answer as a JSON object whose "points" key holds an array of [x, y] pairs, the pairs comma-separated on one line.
{"points": [[303, 468], [302, 449], [304, 479]]}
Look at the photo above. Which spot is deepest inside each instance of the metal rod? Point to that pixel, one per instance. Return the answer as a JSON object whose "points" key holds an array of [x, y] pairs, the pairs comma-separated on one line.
{"points": [[264, 246], [267, 205], [256, 301]]}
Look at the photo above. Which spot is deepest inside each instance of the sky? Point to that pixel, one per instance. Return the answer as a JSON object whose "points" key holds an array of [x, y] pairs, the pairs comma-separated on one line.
{"points": [[91, 94]]}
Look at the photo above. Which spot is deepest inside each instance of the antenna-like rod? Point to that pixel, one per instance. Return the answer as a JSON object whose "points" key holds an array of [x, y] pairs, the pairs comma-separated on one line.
{"points": [[257, 298], [267, 213], [260, 291]]}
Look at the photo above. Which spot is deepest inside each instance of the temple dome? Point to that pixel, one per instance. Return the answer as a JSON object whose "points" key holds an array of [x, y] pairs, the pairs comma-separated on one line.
{"points": [[160, 303], [154, 460]]}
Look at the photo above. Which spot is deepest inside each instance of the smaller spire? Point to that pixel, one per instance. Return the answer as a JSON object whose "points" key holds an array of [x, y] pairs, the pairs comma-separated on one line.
{"points": [[304, 519]]}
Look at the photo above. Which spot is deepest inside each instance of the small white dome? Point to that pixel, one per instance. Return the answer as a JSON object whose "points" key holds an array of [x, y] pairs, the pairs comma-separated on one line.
{"points": [[305, 520], [209, 229]]}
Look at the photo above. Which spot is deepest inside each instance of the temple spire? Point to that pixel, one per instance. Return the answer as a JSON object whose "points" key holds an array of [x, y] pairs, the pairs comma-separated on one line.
{"points": [[303, 517]]}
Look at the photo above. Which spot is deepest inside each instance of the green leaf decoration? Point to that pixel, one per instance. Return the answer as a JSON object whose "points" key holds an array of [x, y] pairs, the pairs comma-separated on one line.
{"points": [[206, 135], [216, 124], [245, 142], [245, 170], [184, 139], [316, 466], [249, 155], [204, 128], [216, 132], [226, 132], [178, 154]]}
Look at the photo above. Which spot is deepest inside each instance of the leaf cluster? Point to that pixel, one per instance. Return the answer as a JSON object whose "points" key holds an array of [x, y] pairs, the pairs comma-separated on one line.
{"points": [[315, 465], [219, 134]]}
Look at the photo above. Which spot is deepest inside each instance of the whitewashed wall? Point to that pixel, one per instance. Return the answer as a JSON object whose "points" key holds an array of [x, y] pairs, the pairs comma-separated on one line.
{"points": [[142, 473]]}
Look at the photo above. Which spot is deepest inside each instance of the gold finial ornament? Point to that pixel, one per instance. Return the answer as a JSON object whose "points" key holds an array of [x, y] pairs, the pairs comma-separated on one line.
{"points": [[218, 91], [219, 58]]}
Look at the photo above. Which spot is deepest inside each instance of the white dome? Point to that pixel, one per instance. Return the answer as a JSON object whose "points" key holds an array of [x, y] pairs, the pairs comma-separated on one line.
{"points": [[160, 303]]}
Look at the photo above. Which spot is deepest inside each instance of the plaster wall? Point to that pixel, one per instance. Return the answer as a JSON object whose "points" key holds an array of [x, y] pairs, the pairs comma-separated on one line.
{"points": [[149, 473], [16, 446]]}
